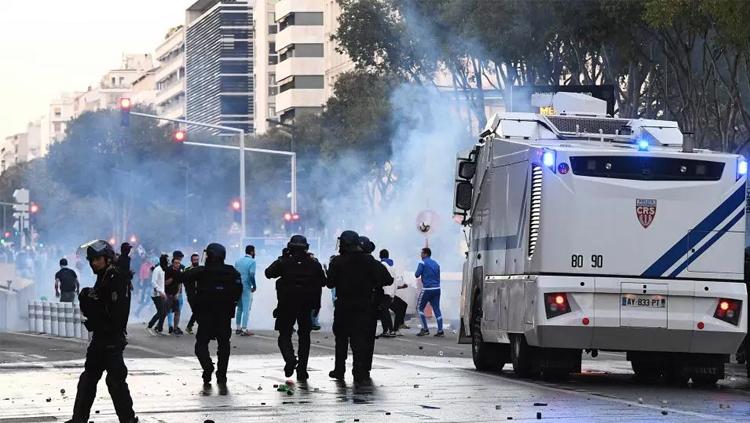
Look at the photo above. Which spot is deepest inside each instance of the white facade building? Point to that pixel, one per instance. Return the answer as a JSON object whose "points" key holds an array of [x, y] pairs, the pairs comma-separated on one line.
{"points": [[114, 84], [265, 68], [60, 112], [301, 68], [335, 62], [170, 75]]}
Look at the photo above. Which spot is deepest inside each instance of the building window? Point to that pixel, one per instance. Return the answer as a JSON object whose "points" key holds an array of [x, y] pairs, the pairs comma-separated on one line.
{"points": [[301, 19], [56, 127], [273, 29], [308, 50], [241, 67], [302, 50], [273, 60], [308, 81], [235, 105], [235, 19], [303, 82], [58, 112], [114, 81], [239, 84]]}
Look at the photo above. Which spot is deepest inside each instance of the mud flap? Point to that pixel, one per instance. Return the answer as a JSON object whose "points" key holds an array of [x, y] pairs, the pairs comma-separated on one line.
{"points": [[462, 338], [557, 360], [683, 364]]}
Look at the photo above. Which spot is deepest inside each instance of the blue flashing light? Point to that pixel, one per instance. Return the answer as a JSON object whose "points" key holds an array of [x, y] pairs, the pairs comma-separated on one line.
{"points": [[741, 168], [548, 159], [642, 145]]}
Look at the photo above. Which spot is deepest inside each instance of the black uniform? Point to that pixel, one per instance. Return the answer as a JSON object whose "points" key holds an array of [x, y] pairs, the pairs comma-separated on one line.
{"points": [[217, 288], [298, 289], [106, 308], [359, 280]]}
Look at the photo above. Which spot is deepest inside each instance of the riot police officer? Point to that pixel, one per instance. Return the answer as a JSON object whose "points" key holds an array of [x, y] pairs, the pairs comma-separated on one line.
{"points": [[359, 280], [298, 289], [106, 308], [217, 289]]}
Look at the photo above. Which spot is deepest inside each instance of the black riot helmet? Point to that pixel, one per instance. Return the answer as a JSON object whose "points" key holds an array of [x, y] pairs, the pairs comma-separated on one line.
{"points": [[98, 248], [366, 245], [215, 253], [298, 242], [349, 242]]}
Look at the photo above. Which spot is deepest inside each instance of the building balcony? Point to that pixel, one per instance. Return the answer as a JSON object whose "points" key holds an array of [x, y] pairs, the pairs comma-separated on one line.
{"points": [[173, 42], [285, 7], [175, 110], [299, 98], [171, 91], [299, 66], [301, 34], [169, 68]]}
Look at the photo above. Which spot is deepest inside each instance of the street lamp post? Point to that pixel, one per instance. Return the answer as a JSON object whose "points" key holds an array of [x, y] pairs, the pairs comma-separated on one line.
{"points": [[294, 159], [242, 149], [287, 126]]}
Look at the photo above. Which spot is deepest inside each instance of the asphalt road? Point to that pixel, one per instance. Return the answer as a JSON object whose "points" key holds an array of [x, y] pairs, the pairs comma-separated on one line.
{"points": [[416, 379]]}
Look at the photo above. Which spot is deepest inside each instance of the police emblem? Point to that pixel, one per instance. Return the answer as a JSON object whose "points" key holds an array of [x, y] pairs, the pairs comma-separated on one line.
{"points": [[646, 211]]}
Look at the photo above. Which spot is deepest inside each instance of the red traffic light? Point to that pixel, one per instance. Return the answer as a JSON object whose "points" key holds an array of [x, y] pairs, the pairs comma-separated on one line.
{"points": [[179, 136], [236, 205], [33, 208], [124, 103], [6, 234], [295, 216], [287, 216]]}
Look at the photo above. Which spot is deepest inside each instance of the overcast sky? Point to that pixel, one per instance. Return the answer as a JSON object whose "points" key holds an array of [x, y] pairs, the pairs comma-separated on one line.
{"points": [[52, 46]]}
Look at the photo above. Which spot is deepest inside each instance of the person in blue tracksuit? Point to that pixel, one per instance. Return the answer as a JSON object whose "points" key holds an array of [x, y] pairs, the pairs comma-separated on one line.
{"points": [[246, 268], [429, 271]]}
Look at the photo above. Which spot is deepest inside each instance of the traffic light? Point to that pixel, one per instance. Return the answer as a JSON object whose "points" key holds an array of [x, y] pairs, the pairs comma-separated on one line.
{"points": [[34, 208], [124, 111], [292, 223], [237, 210], [7, 235], [179, 136]]}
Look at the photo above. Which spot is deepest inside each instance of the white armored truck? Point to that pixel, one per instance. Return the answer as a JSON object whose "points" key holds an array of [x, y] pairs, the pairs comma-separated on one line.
{"points": [[588, 232]]}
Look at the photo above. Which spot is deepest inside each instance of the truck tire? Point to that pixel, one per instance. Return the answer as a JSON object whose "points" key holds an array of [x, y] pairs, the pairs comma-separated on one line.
{"points": [[487, 356], [522, 356], [646, 372]]}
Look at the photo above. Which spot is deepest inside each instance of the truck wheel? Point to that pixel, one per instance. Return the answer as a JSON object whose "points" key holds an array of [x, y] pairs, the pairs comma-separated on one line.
{"points": [[645, 372], [521, 355], [486, 356]]}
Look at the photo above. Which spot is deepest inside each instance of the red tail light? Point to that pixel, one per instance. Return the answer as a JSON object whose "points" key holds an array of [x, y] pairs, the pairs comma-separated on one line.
{"points": [[728, 310], [556, 304]]}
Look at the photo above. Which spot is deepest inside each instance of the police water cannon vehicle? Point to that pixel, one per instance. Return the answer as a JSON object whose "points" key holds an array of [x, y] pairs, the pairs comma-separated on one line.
{"points": [[588, 232]]}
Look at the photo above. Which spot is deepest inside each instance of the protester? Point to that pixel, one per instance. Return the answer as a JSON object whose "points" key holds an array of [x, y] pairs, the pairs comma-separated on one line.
{"points": [[66, 283]]}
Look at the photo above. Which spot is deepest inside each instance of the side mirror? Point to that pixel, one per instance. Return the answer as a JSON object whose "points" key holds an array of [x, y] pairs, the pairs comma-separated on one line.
{"points": [[464, 194], [466, 170]]}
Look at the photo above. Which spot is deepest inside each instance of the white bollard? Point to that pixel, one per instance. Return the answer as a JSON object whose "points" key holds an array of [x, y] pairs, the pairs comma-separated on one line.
{"points": [[54, 317], [76, 322], [31, 317], [39, 317], [84, 330], [69, 329], [61, 320], [47, 313]]}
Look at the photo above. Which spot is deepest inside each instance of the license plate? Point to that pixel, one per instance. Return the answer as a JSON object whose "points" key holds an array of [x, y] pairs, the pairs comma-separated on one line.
{"points": [[644, 301]]}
